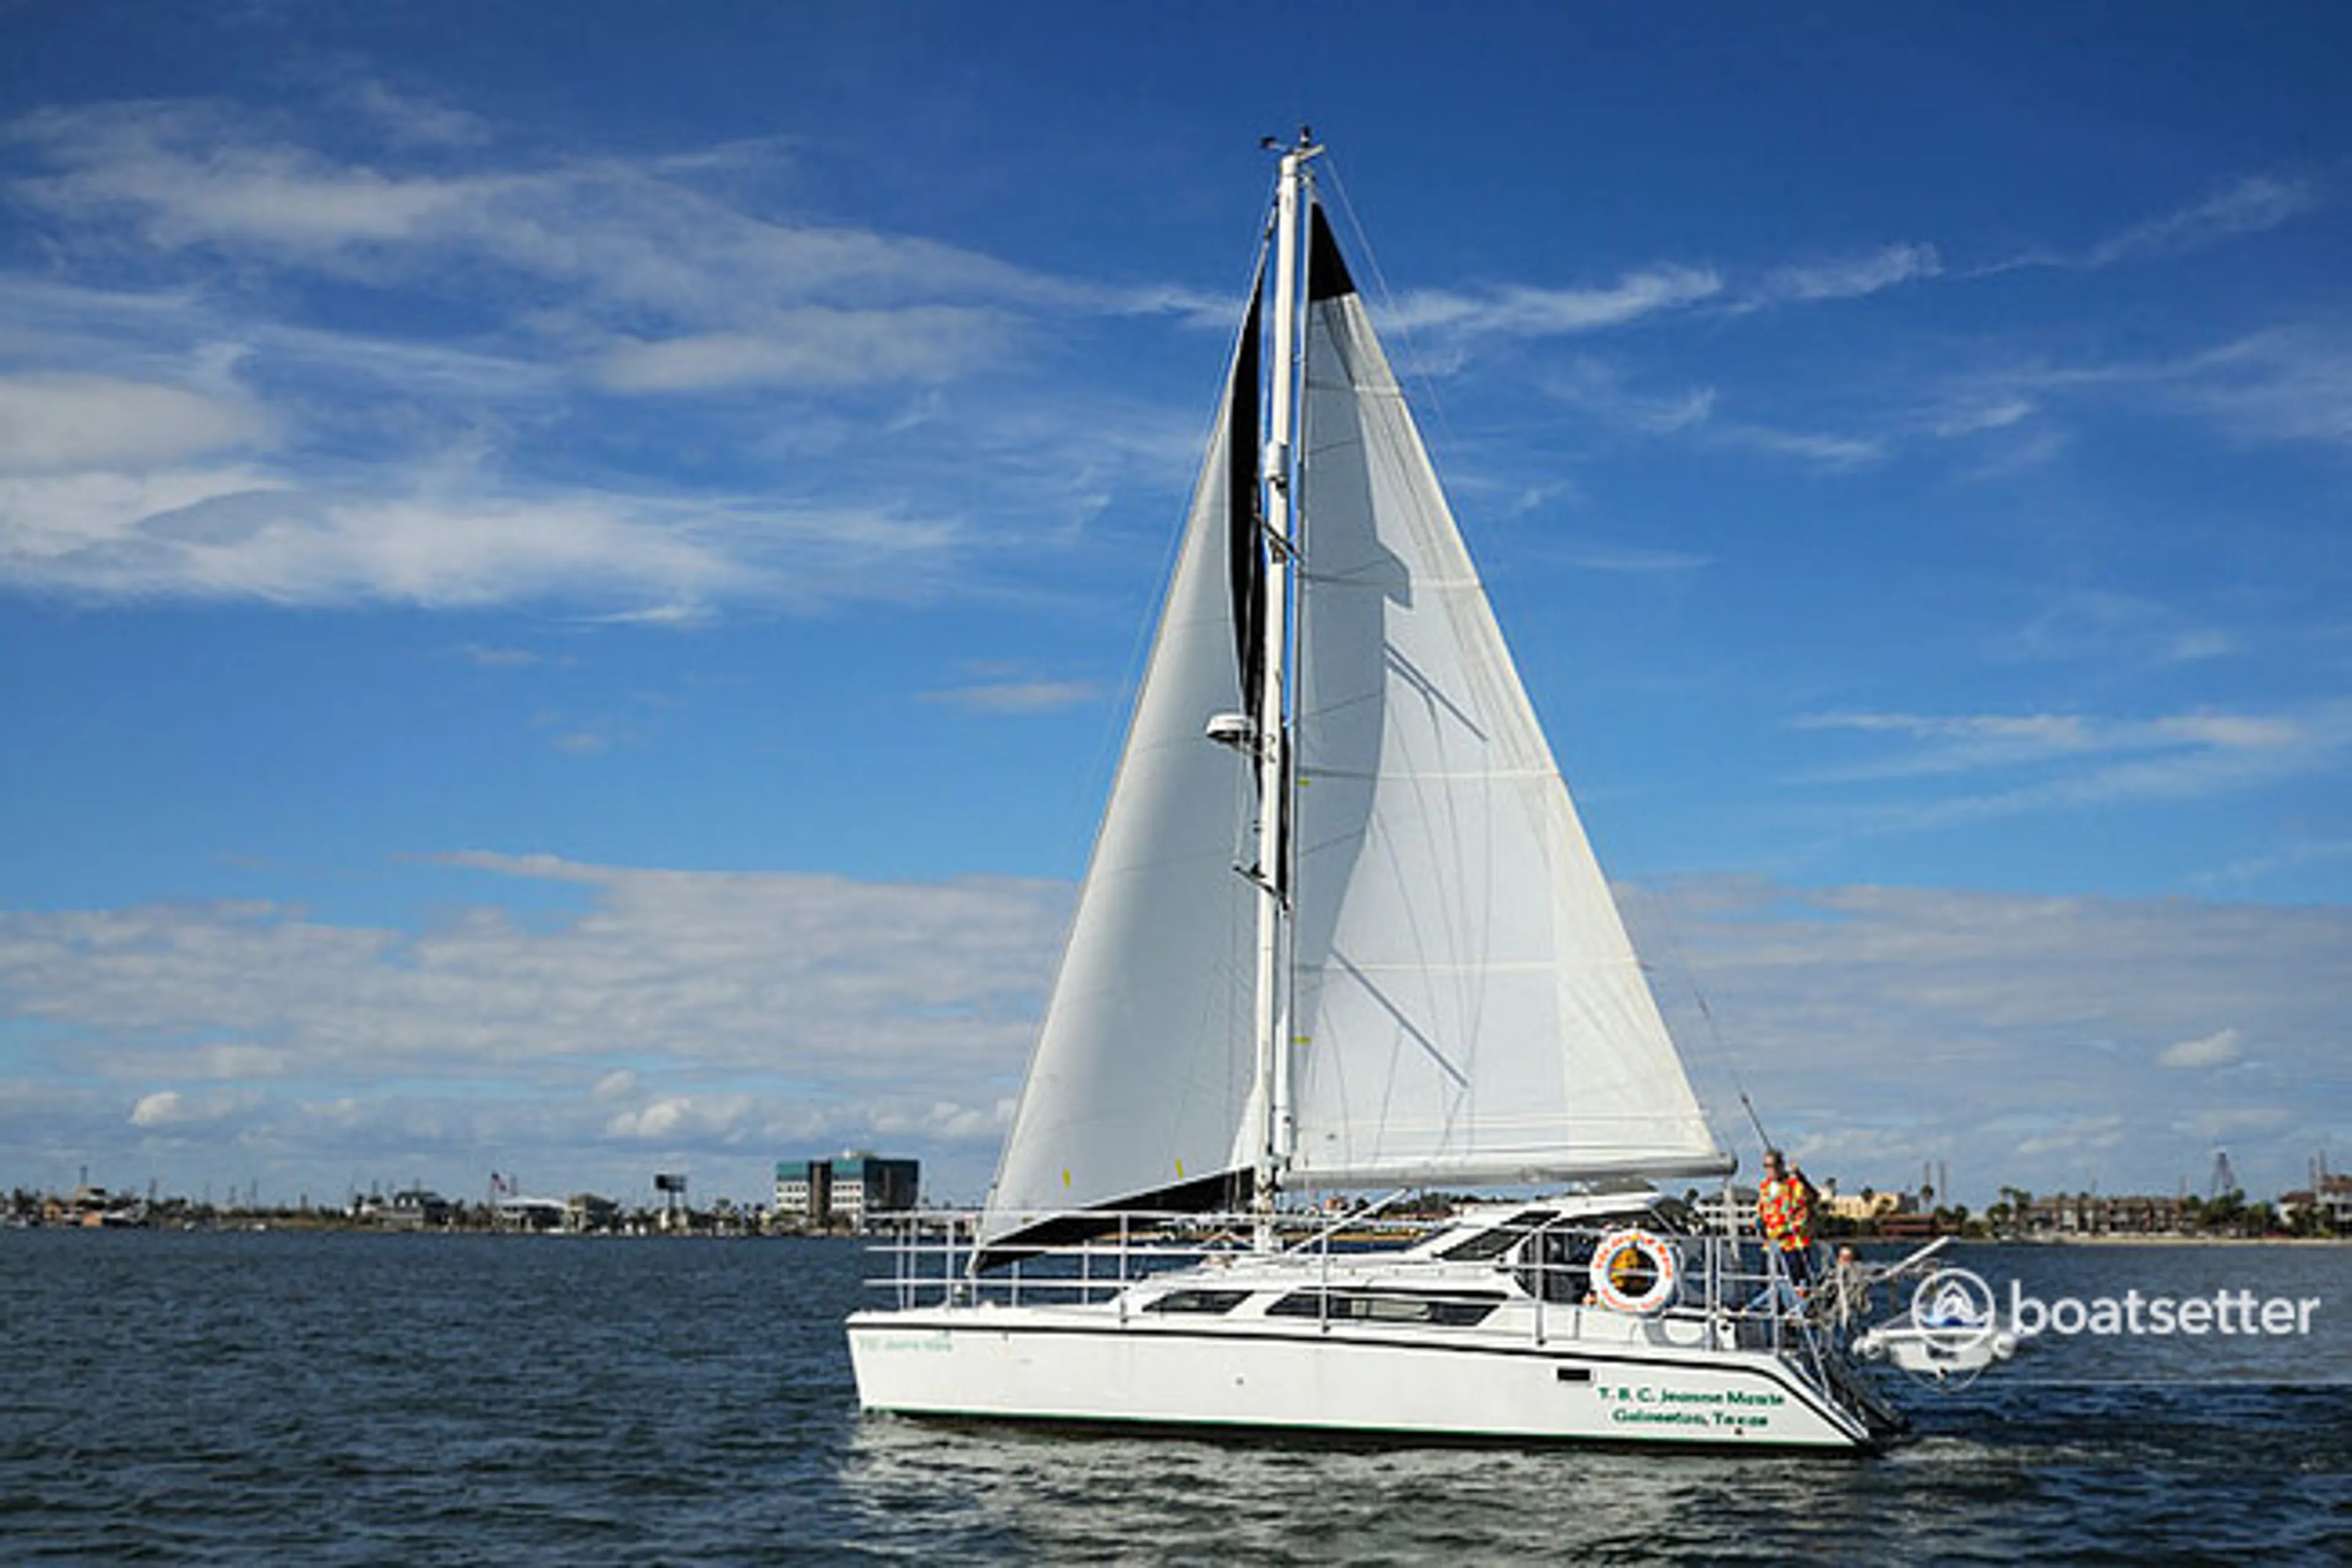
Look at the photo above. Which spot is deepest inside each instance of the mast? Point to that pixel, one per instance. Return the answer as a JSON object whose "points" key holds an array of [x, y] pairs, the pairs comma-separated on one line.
{"points": [[1274, 757]]}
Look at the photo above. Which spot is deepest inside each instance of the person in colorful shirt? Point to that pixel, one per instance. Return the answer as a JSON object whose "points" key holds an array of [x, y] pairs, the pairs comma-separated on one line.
{"points": [[1784, 1206]]}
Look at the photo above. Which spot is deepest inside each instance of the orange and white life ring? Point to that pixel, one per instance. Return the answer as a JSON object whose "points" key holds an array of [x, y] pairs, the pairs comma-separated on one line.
{"points": [[1634, 1271]]}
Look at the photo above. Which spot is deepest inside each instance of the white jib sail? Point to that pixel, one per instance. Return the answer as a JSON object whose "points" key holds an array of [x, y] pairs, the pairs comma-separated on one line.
{"points": [[1468, 1006], [1143, 1067]]}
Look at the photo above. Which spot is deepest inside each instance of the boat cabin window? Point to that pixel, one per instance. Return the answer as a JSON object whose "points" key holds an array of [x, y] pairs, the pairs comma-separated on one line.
{"points": [[1555, 1263], [1486, 1243], [1198, 1301], [1368, 1306]]}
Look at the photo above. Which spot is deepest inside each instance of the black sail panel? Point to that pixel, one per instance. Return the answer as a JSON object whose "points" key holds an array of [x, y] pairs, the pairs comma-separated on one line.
{"points": [[1245, 542], [1227, 1192], [1326, 270]]}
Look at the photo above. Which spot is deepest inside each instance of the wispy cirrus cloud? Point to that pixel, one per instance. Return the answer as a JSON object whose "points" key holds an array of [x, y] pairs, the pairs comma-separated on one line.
{"points": [[191, 176], [2252, 870], [1524, 310], [1592, 384], [1595, 386], [240, 533], [1018, 696], [2250, 204], [1630, 560], [1966, 743], [2019, 764], [1663, 288], [1848, 277], [2288, 384], [210, 426], [814, 347], [2102, 626], [1974, 414], [631, 255], [1819, 448]]}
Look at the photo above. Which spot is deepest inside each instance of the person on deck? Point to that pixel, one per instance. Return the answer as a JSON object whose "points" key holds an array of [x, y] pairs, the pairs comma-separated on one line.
{"points": [[1784, 1206], [1846, 1295]]}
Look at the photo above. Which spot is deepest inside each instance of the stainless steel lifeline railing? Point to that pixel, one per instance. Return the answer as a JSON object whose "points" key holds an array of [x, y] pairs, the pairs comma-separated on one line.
{"points": [[1739, 1289]]}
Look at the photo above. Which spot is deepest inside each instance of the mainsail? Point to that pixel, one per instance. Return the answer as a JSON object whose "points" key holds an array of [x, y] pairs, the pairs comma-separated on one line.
{"points": [[1468, 1007], [1463, 1003]]}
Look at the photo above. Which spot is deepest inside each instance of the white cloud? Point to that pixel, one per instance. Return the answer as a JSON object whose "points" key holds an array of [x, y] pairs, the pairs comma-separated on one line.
{"points": [[740, 1015], [191, 173], [614, 234], [2114, 628], [2216, 1049], [1525, 310], [2056, 761], [158, 1110], [1522, 310], [242, 533], [2250, 204], [815, 347], [684, 1118], [2285, 385], [409, 119], [2072, 1138], [2298, 853], [1850, 277], [1019, 696], [1959, 743], [1974, 416], [238, 433], [723, 1020], [2010, 1035], [1631, 561], [1828, 451], [1590, 385], [93, 528], [189, 1113], [490, 658], [57, 421]]}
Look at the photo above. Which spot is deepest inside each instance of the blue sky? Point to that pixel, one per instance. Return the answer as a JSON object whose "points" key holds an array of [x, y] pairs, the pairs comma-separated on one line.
{"points": [[568, 581]]}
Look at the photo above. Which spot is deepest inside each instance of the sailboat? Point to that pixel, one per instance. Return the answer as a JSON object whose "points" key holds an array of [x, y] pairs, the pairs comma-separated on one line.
{"points": [[1342, 932]]}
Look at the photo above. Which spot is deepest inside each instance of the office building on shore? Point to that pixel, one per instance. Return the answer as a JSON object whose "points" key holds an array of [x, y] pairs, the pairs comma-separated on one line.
{"points": [[846, 1193]]}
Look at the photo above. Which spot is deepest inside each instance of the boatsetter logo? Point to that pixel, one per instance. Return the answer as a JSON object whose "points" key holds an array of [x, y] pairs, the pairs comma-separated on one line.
{"points": [[1956, 1328], [2223, 1313], [1953, 1311], [1955, 1308]]}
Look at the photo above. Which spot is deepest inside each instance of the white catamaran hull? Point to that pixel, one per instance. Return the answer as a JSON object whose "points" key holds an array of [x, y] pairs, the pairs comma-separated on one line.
{"points": [[1081, 1364]]}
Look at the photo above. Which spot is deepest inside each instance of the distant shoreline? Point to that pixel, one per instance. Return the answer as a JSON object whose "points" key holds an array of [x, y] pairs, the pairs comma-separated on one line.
{"points": [[2156, 1240]]}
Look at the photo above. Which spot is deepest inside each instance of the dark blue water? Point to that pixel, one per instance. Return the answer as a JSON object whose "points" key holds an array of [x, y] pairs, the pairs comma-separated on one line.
{"points": [[327, 1399]]}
